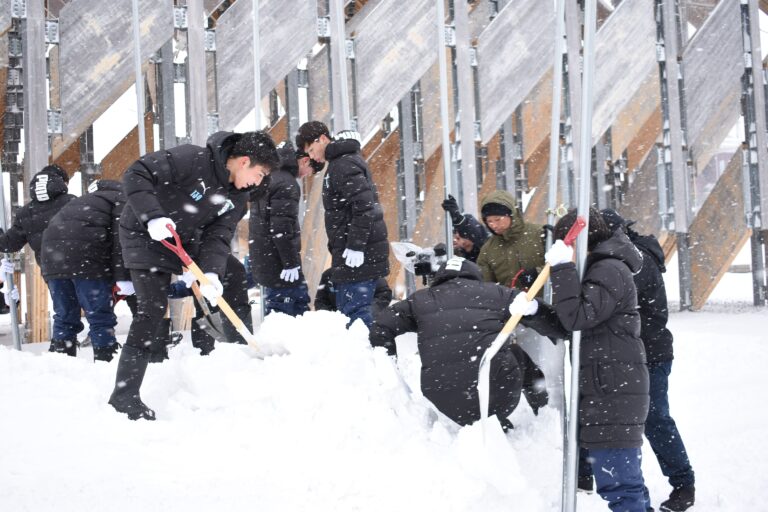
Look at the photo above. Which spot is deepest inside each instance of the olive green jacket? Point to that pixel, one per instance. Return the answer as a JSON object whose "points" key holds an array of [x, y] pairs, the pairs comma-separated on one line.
{"points": [[521, 246]]}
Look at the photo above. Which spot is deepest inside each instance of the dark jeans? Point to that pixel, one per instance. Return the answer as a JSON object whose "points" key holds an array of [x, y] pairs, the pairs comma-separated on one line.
{"points": [[354, 300], [661, 431], [151, 303], [619, 479], [293, 300], [94, 296]]}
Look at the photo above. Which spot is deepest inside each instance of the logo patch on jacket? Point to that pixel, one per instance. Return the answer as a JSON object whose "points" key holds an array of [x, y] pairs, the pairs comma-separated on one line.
{"points": [[228, 205], [196, 195], [41, 187]]}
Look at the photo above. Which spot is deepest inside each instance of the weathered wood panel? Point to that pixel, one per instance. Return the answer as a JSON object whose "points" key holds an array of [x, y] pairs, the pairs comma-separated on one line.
{"points": [[633, 119], [514, 52], [96, 59], [642, 197], [286, 35], [320, 87], [390, 56], [718, 233], [712, 68], [126, 151], [625, 54]]}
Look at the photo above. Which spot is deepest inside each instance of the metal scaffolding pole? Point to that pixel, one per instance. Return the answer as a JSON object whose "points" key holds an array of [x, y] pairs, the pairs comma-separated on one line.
{"points": [[339, 79], [197, 84], [8, 278], [256, 65], [466, 103], [442, 61], [139, 79], [585, 156]]}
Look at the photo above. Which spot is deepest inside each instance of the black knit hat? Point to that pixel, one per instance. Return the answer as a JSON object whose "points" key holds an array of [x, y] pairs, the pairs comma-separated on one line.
{"points": [[613, 220], [56, 170], [489, 209]]}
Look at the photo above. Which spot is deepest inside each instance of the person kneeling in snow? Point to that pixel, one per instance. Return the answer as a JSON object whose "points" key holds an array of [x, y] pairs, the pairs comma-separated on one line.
{"points": [[456, 320]]}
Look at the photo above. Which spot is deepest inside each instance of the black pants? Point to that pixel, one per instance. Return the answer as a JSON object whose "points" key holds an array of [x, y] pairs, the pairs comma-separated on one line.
{"points": [[151, 304]]}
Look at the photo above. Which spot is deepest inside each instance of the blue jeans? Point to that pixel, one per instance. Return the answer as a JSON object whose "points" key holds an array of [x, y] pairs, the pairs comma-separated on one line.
{"points": [[292, 300], [619, 479], [94, 296], [354, 300], [661, 431]]}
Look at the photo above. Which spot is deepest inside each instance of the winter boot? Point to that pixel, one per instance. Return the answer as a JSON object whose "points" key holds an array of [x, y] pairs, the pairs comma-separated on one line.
{"points": [[130, 373], [534, 386], [159, 347], [244, 314], [68, 347], [105, 353], [680, 499], [201, 339], [586, 484], [4, 309]]}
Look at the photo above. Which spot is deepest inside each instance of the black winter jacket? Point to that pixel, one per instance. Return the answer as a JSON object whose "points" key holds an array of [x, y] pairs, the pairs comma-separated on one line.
{"points": [[325, 297], [613, 381], [471, 229], [353, 216], [82, 240], [274, 232], [652, 299], [456, 319], [190, 185], [48, 194]]}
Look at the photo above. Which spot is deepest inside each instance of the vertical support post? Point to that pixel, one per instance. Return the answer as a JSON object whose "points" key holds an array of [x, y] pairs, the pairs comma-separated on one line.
{"points": [[88, 168], [508, 143], [35, 149], [554, 128], [8, 278], [407, 183], [166, 98], [573, 92], [585, 153], [466, 102], [339, 78], [197, 81], [442, 62], [139, 79], [601, 155], [256, 54], [292, 102]]}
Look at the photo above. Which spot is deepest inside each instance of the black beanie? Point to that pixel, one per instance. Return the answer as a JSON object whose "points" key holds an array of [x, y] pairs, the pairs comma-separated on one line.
{"points": [[495, 209], [58, 171]]}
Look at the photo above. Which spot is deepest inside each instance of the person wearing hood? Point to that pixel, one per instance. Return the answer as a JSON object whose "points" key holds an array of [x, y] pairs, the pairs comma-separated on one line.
{"points": [[354, 219], [200, 192], [81, 261], [613, 382], [660, 428], [514, 253], [275, 237], [456, 319], [468, 234], [48, 194]]}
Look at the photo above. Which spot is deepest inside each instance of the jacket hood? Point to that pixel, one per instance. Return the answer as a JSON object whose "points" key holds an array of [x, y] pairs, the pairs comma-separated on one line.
{"points": [[619, 247], [504, 198], [46, 186], [112, 185], [288, 161], [220, 144], [338, 148], [650, 246], [457, 267]]}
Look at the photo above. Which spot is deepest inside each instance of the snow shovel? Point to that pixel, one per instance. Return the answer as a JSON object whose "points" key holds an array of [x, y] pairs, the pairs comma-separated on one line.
{"points": [[484, 375], [200, 276], [211, 322]]}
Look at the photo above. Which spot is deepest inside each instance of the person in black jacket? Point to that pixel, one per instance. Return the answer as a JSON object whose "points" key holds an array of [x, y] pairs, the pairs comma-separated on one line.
{"points": [[202, 193], [81, 261], [469, 234], [613, 376], [325, 296], [456, 320], [660, 427], [354, 220], [275, 238]]}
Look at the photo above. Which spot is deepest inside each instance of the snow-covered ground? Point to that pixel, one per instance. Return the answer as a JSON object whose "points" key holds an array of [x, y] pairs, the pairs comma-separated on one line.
{"points": [[331, 427]]}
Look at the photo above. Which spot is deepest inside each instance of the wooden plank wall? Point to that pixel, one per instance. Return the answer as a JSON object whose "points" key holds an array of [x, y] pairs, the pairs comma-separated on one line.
{"points": [[712, 67], [383, 48], [126, 151], [96, 56], [286, 35], [514, 52]]}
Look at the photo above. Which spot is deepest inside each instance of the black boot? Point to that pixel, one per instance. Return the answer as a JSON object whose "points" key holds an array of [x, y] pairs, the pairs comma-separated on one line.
{"points": [[680, 499], [159, 347], [68, 347], [585, 484], [130, 373], [105, 353], [243, 313]]}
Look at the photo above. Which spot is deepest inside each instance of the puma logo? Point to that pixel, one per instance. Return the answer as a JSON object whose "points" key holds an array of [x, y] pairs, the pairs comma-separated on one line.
{"points": [[204, 187], [197, 195]]}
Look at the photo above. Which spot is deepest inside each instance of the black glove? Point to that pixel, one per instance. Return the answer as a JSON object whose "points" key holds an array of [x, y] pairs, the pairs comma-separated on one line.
{"points": [[451, 206], [525, 278]]}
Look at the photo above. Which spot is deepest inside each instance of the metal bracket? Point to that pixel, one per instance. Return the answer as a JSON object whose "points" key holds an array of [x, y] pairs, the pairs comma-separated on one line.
{"points": [[19, 9], [209, 40], [478, 132], [180, 19], [303, 79], [324, 27], [213, 122], [473, 56], [15, 47], [179, 73], [52, 31], [349, 48], [450, 36], [55, 123]]}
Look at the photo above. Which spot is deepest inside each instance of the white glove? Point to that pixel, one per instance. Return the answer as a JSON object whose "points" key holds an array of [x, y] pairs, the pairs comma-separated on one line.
{"points": [[213, 290], [11, 297], [559, 253], [6, 266], [188, 277], [522, 306], [290, 274], [353, 258], [125, 288], [158, 228]]}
